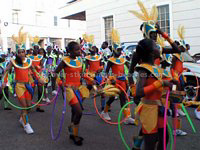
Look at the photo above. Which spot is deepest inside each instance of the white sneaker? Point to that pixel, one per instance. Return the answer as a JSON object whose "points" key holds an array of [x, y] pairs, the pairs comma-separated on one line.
{"points": [[54, 92], [28, 129], [105, 116], [15, 95], [47, 100], [180, 112], [21, 122], [44, 99], [180, 133], [129, 120], [197, 114]]}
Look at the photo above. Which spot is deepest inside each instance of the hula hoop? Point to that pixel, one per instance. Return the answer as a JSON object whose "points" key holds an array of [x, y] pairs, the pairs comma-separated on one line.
{"points": [[61, 120], [22, 108], [165, 120], [95, 106], [48, 103], [119, 126], [170, 136], [18, 107], [122, 136]]}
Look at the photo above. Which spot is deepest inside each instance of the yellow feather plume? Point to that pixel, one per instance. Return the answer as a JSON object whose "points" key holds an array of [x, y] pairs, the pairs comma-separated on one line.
{"points": [[161, 41], [145, 15], [115, 36], [21, 39], [88, 38], [35, 39], [91, 38], [143, 9], [181, 32], [154, 13], [139, 15]]}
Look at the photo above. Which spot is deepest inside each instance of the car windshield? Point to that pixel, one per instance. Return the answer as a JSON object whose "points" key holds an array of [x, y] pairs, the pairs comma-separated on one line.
{"points": [[188, 58]]}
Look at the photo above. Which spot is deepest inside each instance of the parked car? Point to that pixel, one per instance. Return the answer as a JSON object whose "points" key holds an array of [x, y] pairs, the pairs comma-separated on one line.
{"points": [[192, 76], [128, 48], [197, 57]]}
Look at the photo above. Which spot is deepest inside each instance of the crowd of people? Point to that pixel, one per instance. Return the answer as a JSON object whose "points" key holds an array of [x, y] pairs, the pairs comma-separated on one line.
{"points": [[159, 70]]}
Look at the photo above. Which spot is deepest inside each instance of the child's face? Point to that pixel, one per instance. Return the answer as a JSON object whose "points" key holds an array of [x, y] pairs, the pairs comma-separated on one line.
{"points": [[77, 50], [21, 53]]}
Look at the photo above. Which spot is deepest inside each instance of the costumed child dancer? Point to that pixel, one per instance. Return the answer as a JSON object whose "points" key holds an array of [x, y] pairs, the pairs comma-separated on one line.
{"points": [[150, 31], [45, 74], [3, 65], [37, 63], [50, 64], [24, 91], [94, 66], [75, 92], [116, 63], [149, 87]]}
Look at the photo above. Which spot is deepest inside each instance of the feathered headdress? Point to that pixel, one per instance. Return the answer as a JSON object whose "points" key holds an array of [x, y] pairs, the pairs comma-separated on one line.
{"points": [[165, 57], [89, 39], [115, 38], [34, 40], [181, 34], [149, 19], [20, 40]]}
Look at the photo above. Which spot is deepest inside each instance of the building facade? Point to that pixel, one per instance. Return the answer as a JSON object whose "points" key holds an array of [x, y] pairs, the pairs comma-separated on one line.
{"points": [[102, 15], [38, 17]]}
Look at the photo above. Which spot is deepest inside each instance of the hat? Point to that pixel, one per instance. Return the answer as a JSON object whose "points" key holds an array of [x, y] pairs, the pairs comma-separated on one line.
{"points": [[34, 40], [89, 41], [115, 39], [150, 19], [181, 34]]}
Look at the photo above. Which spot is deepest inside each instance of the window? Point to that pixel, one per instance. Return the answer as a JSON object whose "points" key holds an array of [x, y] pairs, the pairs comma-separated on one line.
{"points": [[15, 17], [55, 20], [108, 22], [164, 18], [38, 19]]}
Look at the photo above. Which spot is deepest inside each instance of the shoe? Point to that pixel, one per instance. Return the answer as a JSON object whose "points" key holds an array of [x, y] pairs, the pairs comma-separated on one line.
{"points": [[21, 122], [28, 129], [39, 110], [8, 108], [47, 100], [77, 140], [180, 133], [180, 112], [197, 114], [129, 121], [105, 116], [54, 92], [44, 99], [15, 95]]}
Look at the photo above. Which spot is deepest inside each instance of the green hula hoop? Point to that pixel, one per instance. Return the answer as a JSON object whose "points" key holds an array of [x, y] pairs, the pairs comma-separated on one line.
{"points": [[119, 126], [122, 136], [170, 136], [23, 108], [18, 107]]}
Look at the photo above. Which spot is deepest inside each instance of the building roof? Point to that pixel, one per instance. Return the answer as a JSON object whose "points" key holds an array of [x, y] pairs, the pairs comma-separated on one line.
{"points": [[77, 16]]}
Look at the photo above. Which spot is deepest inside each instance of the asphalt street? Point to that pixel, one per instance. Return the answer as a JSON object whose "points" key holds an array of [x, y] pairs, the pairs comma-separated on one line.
{"points": [[97, 134]]}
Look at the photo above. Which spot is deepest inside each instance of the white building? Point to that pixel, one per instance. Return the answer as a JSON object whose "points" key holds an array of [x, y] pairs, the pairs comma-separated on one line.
{"points": [[102, 15], [39, 17]]}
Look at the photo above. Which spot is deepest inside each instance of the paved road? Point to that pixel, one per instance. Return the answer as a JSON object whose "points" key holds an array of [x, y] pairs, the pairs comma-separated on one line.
{"points": [[98, 135]]}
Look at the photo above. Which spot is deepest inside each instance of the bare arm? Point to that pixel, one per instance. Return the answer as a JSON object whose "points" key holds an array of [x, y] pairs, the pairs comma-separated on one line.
{"points": [[60, 67]]}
